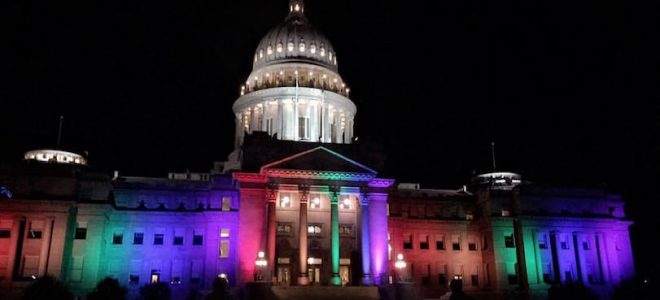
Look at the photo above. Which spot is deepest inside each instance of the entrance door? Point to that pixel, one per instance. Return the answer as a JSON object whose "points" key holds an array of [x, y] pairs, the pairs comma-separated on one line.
{"points": [[314, 273], [283, 275], [345, 274]]}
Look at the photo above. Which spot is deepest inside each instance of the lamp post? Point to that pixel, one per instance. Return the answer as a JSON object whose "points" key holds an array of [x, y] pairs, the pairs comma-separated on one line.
{"points": [[400, 264], [261, 264]]}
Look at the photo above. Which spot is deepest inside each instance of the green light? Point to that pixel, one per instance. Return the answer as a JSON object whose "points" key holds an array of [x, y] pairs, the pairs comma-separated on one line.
{"points": [[335, 280]]}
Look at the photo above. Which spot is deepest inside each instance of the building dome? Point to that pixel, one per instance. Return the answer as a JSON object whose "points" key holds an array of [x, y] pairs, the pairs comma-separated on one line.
{"points": [[295, 40], [294, 91]]}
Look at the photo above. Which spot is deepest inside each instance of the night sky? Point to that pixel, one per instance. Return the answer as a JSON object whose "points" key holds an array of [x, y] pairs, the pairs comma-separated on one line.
{"points": [[568, 91]]}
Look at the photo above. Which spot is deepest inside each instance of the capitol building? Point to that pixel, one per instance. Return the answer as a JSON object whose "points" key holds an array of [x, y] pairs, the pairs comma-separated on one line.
{"points": [[300, 208]]}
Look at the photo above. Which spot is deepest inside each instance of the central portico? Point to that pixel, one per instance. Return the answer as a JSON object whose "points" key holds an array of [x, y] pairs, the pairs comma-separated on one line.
{"points": [[325, 219]]}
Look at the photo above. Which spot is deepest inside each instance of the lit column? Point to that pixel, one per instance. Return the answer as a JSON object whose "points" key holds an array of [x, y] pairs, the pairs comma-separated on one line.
{"points": [[378, 236], [366, 257], [271, 196], [46, 246], [303, 191], [334, 201]]}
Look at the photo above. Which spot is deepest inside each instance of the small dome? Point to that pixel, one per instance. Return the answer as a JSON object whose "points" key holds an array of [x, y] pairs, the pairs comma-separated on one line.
{"points": [[295, 40]]}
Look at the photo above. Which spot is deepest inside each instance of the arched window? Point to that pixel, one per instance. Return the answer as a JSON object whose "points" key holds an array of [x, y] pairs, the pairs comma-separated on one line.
{"points": [[322, 50], [261, 53], [301, 46], [255, 58], [269, 50], [289, 46], [279, 47], [312, 48], [330, 55]]}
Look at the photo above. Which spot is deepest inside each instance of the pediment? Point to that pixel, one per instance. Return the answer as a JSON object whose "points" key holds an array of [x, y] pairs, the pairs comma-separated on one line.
{"points": [[319, 162]]}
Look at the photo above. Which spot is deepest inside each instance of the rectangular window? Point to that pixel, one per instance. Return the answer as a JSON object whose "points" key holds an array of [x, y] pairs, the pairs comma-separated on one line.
{"points": [[283, 228], [439, 242], [198, 238], [138, 238], [196, 271], [159, 238], [407, 241], [34, 234], [508, 241], [345, 229], [315, 203], [456, 242], [472, 246], [506, 213], [178, 237], [345, 203], [224, 248], [285, 201], [134, 279], [226, 203], [81, 233], [177, 271], [117, 238], [5, 233], [543, 243], [442, 279], [585, 245], [475, 280], [564, 242], [314, 229], [424, 242], [224, 233]]}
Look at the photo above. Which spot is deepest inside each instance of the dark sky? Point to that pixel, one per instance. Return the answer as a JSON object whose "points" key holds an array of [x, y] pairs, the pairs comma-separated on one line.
{"points": [[568, 91]]}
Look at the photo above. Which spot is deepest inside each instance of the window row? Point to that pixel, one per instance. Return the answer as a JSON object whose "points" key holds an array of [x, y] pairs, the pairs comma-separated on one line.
{"points": [[291, 47], [441, 244], [314, 229], [159, 238], [345, 202]]}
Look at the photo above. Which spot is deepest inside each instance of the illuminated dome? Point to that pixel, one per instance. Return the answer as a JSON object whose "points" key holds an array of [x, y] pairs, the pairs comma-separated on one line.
{"points": [[295, 40], [55, 156], [294, 91]]}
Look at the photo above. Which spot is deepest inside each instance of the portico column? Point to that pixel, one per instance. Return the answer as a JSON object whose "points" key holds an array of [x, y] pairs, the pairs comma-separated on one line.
{"points": [[334, 224], [271, 195], [303, 279], [366, 257]]}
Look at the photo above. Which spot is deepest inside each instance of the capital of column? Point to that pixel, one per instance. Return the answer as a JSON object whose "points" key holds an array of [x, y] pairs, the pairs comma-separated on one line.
{"points": [[334, 194], [364, 200], [303, 190], [271, 193]]}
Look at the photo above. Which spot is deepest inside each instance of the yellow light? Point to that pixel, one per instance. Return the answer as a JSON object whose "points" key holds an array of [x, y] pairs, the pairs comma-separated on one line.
{"points": [[311, 74], [399, 256], [223, 275]]}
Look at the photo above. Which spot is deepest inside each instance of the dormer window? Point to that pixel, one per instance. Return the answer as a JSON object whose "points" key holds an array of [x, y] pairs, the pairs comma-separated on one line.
{"points": [[312, 49], [269, 50], [301, 46], [289, 46], [322, 50], [279, 47], [261, 53], [330, 55]]}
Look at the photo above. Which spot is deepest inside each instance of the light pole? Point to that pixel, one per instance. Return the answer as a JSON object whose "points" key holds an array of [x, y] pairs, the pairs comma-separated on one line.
{"points": [[400, 264], [261, 264]]}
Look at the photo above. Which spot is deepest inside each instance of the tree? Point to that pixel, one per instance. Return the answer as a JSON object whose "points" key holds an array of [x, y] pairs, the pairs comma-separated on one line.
{"points": [[155, 291], [108, 289], [47, 288]]}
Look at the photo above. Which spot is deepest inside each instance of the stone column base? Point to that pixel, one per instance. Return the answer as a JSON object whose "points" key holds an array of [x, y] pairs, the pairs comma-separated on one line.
{"points": [[367, 280], [335, 280]]}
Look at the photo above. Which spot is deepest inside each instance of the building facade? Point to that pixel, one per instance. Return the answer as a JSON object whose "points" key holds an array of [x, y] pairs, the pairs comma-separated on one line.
{"points": [[299, 203]]}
